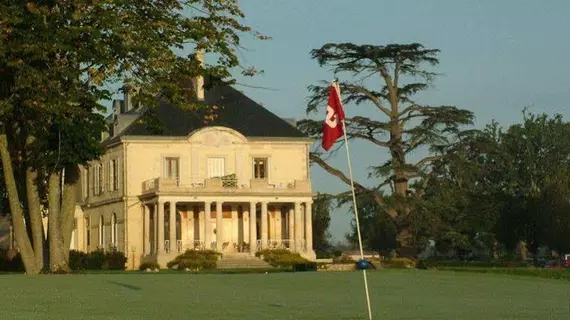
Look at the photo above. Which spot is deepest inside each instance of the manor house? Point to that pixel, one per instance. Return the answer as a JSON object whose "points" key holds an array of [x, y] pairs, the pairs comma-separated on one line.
{"points": [[233, 178]]}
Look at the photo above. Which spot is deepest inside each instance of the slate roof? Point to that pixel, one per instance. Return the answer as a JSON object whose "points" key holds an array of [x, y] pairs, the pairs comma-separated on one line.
{"points": [[234, 110]]}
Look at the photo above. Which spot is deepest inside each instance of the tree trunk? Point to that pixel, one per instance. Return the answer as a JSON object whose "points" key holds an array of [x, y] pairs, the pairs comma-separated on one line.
{"points": [[34, 210], [400, 211], [68, 207], [20, 232], [56, 255]]}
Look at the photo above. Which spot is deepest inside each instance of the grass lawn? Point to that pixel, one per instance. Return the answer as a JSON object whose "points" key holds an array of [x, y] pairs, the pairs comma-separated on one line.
{"points": [[395, 294]]}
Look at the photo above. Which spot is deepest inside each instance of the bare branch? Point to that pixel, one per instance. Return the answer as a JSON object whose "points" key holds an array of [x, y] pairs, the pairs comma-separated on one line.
{"points": [[368, 137], [369, 95], [426, 160]]}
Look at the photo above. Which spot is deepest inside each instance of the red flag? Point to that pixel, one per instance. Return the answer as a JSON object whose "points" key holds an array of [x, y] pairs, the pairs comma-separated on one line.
{"points": [[332, 129]]}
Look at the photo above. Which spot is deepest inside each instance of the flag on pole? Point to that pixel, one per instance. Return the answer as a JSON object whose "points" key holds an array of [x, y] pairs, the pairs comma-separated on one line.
{"points": [[332, 129]]}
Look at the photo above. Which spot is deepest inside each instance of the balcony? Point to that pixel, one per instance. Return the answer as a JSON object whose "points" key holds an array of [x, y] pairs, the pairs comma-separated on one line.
{"points": [[229, 184]]}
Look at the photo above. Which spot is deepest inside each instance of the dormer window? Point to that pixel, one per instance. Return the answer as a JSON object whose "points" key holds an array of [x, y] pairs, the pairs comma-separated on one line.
{"points": [[260, 168]]}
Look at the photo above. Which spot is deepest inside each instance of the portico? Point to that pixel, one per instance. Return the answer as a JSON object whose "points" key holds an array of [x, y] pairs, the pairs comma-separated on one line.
{"points": [[175, 224]]}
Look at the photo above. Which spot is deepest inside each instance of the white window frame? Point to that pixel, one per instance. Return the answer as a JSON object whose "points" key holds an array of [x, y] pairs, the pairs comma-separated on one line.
{"points": [[114, 230], [210, 174], [101, 232], [266, 168], [112, 175], [166, 165]]}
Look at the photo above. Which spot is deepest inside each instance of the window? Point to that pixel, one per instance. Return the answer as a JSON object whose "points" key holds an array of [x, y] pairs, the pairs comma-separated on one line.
{"points": [[114, 230], [101, 233], [171, 166], [113, 175], [216, 167], [99, 179], [87, 233], [260, 168]]}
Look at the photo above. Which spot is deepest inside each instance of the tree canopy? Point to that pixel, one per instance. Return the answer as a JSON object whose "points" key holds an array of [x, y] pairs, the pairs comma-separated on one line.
{"points": [[58, 60], [402, 125]]}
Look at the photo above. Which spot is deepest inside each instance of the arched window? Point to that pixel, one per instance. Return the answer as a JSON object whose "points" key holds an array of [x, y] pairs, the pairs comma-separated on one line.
{"points": [[87, 235], [114, 238], [101, 233]]}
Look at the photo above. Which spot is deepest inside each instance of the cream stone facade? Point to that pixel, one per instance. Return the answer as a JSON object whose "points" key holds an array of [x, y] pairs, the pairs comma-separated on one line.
{"points": [[155, 196]]}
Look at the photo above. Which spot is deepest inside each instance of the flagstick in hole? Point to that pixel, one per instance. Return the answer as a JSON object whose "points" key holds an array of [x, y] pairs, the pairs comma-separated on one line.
{"points": [[331, 132]]}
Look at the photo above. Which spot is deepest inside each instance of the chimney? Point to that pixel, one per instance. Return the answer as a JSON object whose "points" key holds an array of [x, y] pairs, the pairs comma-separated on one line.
{"points": [[199, 89], [127, 98]]}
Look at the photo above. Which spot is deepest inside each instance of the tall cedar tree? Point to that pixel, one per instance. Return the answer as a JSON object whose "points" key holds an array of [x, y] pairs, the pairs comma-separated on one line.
{"points": [[403, 125], [57, 60]]}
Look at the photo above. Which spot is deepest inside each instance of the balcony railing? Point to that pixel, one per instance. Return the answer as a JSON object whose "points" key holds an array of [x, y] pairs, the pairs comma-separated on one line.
{"points": [[229, 183]]}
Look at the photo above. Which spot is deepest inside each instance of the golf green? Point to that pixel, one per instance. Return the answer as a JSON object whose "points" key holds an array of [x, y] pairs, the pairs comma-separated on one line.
{"points": [[395, 294]]}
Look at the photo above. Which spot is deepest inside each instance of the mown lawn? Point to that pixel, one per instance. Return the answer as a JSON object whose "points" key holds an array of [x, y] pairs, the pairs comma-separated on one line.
{"points": [[395, 294]]}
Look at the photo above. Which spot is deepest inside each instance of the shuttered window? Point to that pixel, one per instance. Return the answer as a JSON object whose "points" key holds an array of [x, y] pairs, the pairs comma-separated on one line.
{"points": [[171, 168], [216, 167]]}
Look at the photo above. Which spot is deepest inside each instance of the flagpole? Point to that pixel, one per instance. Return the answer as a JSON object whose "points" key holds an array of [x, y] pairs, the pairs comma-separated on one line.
{"points": [[355, 209]]}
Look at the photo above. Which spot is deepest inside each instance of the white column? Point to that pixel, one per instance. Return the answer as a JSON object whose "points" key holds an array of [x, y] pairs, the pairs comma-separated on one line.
{"points": [[235, 229], [309, 226], [252, 227], [172, 226], [219, 226], [298, 227], [264, 225], [146, 221], [245, 225], [201, 225], [278, 225], [291, 226], [207, 226], [189, 241], [155, 226], [160, 227]]}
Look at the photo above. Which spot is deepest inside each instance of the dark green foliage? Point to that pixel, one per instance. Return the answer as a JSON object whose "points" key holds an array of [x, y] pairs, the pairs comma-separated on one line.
{"points": [[400, 127], [58, 60], [115, 260], [343, 259], [398, 263], [282, 258], [97, 260], [196, 260], [322, 206], [149, 265], [307, 266], [444, 264], [10, 262], [78, 260], [514, 271], [378, 229]]}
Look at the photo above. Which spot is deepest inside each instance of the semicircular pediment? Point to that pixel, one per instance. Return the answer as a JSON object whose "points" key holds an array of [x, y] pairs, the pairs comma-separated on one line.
{"points": [[216, 136]]}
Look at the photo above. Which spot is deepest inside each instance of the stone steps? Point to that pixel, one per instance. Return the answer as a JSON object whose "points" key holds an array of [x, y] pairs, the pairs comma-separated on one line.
{"points": [[241, 261]]}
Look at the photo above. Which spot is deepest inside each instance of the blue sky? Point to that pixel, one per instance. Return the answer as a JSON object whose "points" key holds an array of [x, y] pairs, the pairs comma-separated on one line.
{"points": [[497, 57]]}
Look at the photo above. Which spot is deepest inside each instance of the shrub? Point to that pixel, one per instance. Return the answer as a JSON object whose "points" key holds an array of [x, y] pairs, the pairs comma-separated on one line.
{"points": [[343, 259], [195, 259], [115, 260], [306, 266], [399, 263], [10, 262], [285, 258], [95, 260], [434, 263], [78, 260], [149, 265]]}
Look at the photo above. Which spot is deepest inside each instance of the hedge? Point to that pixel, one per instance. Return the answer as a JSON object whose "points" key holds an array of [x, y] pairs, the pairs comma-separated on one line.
{"points": [[432, 263], [195, 260], [97, 260], [10, 261], [530, 272], [283, 258]]}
